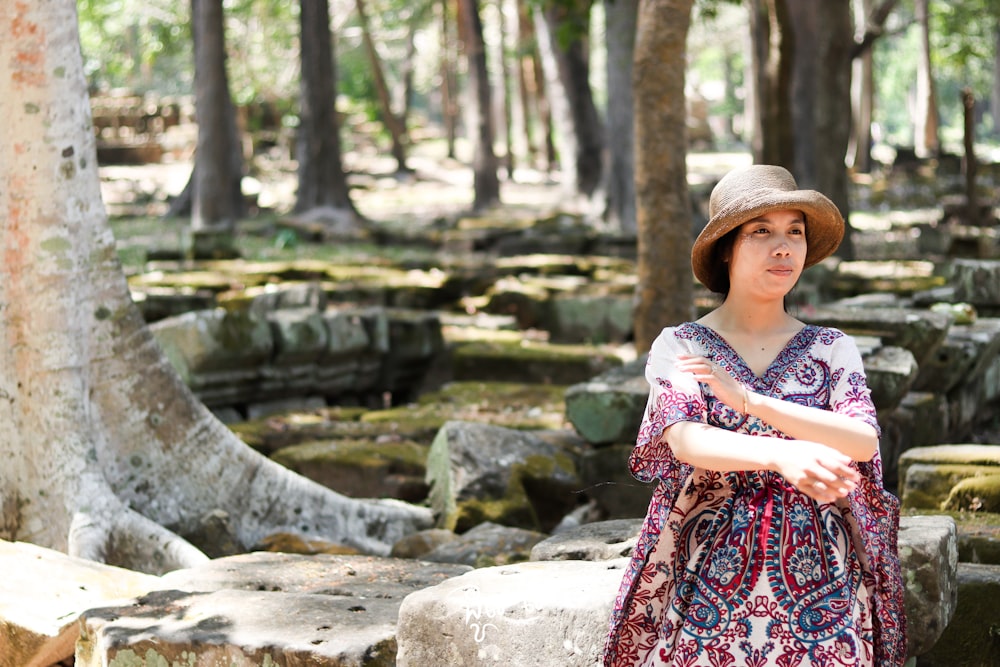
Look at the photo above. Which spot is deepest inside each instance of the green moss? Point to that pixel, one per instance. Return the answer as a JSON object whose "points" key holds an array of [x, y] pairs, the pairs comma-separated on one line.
{"points": [[980, 493], [402, 456]]}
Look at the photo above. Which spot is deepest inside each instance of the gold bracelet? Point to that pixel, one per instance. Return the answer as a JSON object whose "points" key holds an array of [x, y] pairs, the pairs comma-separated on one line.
{"points": [[744, 399]]}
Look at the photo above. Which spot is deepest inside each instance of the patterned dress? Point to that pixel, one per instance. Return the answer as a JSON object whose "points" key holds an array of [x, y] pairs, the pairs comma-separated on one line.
{"points": [[740, 569]]}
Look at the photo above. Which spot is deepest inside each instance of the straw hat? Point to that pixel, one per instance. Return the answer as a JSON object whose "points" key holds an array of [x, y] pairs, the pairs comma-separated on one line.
{"points": [[748, 192]]}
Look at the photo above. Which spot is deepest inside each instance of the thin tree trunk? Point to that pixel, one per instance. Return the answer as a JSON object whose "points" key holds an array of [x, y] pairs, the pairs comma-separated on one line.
{"points": [[449, 106], [969, 163], [485, 164], [665, 289], [862, 97], [107, 454], [217, 198], [577, 123], [621, 26], [821, 100], [506, 90], [526, 80], [995, 88], [772, 54], [925, 134], [322, 181], [392, 122]]}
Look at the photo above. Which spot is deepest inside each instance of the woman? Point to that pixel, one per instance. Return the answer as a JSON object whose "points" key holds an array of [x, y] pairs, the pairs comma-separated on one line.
{"points": [[769, 539]]}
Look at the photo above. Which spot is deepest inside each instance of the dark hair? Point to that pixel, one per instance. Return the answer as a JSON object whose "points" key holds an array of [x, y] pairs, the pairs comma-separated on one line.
{"points": [[720, 268]]}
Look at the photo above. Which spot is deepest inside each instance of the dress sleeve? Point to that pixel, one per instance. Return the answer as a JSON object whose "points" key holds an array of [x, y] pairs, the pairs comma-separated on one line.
{"points": [[849, 394], [674, 396]]}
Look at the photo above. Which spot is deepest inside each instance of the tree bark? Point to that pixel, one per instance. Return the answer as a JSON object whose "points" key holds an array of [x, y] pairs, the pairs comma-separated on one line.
{"points": [[392, 122], [107, 454], [449, 88], [925, 131], [862, 98], [322, 181], [821, 99], [217, 199], [486, 182], [665, 289], [621, 26], [561, 29], [773, 140]]}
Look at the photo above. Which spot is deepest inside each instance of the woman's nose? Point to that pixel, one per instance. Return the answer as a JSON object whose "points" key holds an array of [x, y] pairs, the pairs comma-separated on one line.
{"points": [[782, 248]]}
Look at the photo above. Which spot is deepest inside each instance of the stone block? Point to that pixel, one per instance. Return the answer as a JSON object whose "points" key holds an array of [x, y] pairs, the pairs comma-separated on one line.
{"points": [[973, 635], [928, 555], [966, 352], [609, 408], [42, 596], [535, 614], [928, 474], [919, 331], [976, 281], [890, 372]]}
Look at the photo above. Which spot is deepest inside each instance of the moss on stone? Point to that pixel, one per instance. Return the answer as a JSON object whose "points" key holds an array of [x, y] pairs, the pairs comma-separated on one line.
{"points": [[981, 493]]}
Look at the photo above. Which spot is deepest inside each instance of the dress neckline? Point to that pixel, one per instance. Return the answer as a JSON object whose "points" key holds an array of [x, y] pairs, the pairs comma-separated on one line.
{"points": [[776, 367]]}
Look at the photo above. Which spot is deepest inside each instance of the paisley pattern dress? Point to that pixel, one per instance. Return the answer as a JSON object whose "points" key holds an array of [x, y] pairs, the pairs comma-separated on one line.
{"points": [[740, 569]]}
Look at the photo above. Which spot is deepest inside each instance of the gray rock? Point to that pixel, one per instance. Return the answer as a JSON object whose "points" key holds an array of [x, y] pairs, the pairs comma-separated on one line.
{"points": [[480, 472], [890, 372], [966, 353], [973, 635], [485, 545], [601, 540], [608, 408], [919, 331], [928, 553], [45, 593], [976, 281], [927, 475], [536, 614]]}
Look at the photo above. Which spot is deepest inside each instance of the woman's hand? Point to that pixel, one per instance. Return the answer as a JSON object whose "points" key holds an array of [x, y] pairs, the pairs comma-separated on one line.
{"points": [[820, 472], [724, 386]]}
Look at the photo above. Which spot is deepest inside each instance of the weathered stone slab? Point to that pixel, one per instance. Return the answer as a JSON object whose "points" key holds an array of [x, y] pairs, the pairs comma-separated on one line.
{"points": [[42, 595], [601, 540], [239, 629], [919, 331], [921, 420], [486, 545], [928, 554], [965, 353], [605, 475], [535, 614], [973, 635], [890, 372], [976, 281], [928, 474], [321, 574], [608, 408]]}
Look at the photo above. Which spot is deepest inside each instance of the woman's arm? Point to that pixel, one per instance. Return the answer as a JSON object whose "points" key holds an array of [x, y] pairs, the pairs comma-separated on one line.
{"points": [[819, 471], [846, 434]]}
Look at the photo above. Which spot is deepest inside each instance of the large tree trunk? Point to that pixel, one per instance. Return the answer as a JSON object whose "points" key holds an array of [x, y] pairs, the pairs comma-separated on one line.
{"points": [[218, 170], [821, 99], [773, 140], [534, 77], [621, 25], [322, 181], [392, 122], [862, 97], [107, 455], [561, 29], [665, 287], [925, 132], [486, 181]]}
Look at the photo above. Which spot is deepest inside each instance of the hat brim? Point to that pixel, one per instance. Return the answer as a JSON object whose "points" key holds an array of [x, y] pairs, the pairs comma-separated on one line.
{"points": [[824, 228]]}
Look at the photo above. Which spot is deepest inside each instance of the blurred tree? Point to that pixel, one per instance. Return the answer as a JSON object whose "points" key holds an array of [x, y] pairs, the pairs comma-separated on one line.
{"points": [[534, 98], [216, 193], [447, 14], [621, 26], [486, 181], [926, 142], [107, 454], [393, 122], [562, 30], [663, 210], [322, 181]]}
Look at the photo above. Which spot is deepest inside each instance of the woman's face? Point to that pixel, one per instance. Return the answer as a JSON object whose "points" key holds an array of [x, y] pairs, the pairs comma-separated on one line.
{"points": [[768, 254]]}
